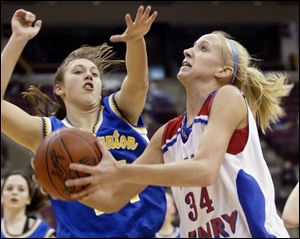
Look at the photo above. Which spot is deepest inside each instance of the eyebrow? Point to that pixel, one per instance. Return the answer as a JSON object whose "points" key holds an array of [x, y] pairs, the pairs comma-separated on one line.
{"points": [[93, 67], [18, 185], [203, 41]]}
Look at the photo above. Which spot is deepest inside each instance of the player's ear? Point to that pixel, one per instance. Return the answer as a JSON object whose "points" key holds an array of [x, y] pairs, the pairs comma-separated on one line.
{"points": [[58, 90], [224, 73]]}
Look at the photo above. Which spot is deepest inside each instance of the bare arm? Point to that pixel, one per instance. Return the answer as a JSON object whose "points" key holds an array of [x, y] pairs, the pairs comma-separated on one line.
{"points": [[202, 170], [132, 96], [17, 124], [112, 197], [22, 32], [290, 213]]}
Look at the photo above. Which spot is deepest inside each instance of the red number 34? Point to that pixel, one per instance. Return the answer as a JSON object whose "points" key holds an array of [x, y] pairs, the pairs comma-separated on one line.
{"points": [[205, 202]]}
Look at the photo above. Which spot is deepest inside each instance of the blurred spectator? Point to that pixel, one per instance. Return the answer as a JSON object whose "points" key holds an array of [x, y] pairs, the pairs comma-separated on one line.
{"points": [[20, 200]]}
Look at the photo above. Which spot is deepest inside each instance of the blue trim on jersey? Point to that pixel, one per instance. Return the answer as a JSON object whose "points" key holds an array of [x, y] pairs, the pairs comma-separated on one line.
{"points": [[169, 144], [202, 121], [253, 203], [140, 123], [142, 218], [186, 130]]}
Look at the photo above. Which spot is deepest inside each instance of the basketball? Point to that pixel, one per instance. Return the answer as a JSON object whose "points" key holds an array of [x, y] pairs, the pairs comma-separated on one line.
{"points": [[56, 152]]}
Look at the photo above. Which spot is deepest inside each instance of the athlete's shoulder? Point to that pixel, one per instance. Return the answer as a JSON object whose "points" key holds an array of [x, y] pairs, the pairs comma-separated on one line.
{"points": [[230, 93], [231, 98]]}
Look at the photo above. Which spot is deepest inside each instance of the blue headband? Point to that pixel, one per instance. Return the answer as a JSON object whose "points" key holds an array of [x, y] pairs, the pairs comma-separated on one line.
{"points": [[235, 59]]}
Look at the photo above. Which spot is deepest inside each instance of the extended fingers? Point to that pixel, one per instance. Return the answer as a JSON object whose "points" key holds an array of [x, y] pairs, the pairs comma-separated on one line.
{"points": [[151, 19], [101, 146], [146, 13], [81, 181], [128, 20], [139, 14], [83, 168]]}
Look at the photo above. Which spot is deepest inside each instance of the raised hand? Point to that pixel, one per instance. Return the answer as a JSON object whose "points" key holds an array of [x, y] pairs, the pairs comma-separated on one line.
{"points": [[24, 26], [138, 28]]}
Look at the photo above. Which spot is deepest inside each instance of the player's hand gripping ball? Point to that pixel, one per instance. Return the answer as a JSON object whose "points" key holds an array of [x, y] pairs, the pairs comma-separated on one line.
{"points": [[56, 152]]}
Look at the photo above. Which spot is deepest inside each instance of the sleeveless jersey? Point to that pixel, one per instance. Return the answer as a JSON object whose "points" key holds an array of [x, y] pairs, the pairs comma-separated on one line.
{"points": [[40, 229], [143, 215], [240, 203]]}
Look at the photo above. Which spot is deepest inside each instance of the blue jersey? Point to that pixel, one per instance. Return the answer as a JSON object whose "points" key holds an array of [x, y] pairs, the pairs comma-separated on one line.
{"points": [[40, 229], [143, 215]]}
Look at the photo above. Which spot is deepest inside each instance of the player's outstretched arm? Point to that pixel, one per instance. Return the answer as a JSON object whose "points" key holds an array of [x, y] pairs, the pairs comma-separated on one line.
{"points": [[132, 96], [15, 123]]}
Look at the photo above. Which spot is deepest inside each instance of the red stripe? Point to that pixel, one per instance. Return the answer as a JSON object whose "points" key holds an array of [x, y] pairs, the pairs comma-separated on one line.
{"points": [[238, 141], [171, 128]]}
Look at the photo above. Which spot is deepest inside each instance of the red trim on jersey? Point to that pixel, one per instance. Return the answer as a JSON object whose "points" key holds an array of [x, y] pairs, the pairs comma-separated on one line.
{"points": [[174, 124], [239, 137], [171, 128], [238, 140], [205, 109]]}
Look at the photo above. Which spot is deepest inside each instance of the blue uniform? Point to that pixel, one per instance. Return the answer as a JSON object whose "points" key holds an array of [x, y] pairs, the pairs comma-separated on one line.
{"points": [[144, 215], [40, 229]]}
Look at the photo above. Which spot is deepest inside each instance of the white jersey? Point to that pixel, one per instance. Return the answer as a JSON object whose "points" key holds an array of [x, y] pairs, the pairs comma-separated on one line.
{"points": [[241, 202]]}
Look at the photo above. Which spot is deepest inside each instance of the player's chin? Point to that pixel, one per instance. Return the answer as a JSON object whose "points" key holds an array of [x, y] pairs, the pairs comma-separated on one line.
{"points": [[181, 76]]}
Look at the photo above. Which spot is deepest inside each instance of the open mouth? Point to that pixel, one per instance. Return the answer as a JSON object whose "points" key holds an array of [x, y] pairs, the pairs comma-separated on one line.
{"points": [[185, 63], [88, 86], [14, 200]]}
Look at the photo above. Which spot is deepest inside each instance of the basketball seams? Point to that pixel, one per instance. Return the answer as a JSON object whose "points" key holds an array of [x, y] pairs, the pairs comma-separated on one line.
{"points": [[58, 148], [89, 145], [49, 176], [83, 139], [66, 149]]}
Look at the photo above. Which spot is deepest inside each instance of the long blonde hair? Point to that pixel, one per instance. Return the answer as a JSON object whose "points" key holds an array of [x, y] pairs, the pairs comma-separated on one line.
{"points": [[264, 92]]}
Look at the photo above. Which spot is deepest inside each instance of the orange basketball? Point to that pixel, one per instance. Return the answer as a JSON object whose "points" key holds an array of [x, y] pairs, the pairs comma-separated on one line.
{"points": [[56, 152]]}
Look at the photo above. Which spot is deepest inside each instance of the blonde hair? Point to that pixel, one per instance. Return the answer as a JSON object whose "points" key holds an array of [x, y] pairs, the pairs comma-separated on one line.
{"points": [[263, 91]]}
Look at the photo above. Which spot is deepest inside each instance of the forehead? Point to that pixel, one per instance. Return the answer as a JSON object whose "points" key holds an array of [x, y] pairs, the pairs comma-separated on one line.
{"points": [[213, 39], [82, 61], [16, 180]]}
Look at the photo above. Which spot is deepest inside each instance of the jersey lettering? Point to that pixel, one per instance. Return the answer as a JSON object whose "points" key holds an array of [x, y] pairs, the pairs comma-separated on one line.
{"points": [[117, 141], [216, 227], [205, 201]]}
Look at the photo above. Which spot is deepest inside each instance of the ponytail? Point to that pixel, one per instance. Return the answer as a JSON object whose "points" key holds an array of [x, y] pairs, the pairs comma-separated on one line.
{"points": [[42, 104], [264, 94]]}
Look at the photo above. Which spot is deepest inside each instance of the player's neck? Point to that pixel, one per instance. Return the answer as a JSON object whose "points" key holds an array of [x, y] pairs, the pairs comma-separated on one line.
{"points": [[196, 97], [84, 119], [14, 216]]}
